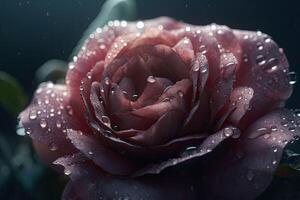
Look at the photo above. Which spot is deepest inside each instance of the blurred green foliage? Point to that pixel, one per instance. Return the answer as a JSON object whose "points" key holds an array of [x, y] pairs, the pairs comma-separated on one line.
{"points": [[12, 96]]}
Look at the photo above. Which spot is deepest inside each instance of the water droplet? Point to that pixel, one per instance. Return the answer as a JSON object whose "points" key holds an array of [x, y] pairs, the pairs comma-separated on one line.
{"points": [[89, 76], [259, 132], [258, 33], [106, 81], [151, 79], [227, 132], [102, 46], [191, 148], [250, 175], [275, 150], [267, 40], [196, 67], [116, 127], [272, 65], [246, 37], [259, 46], [52, 147], [274, 162], [39, 91], [123, 23], [202, 49], [67, 172], [91, 153], [140, 24], [135, 97], [292, 129], [220, 32], [292, 77], [245, 58], [105, 120], [187, 29], [58, 124], [69, 110], [28, 131], [180, 93], [43, 123], [32, 115], [236, 133], [274, 128], [260, 60], [204, 69], [71, 66]]}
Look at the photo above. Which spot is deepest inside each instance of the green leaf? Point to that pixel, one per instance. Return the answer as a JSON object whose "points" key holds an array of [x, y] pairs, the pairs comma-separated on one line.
{"points": [[52, 70], [111, 10], [12, 96]]}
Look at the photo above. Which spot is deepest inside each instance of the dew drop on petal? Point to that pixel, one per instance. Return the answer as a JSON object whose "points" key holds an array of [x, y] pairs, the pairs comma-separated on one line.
{"points": [[250, 175], [58, 124], [260, 60], [140, 24], [69, 110], [135, 97], [32, 114], [272, 65], [105, 120], [227, 132], [43, 123], [28, 131], [260, 46], [151, 79], [293, 78], [67, 172], [52, 147]]}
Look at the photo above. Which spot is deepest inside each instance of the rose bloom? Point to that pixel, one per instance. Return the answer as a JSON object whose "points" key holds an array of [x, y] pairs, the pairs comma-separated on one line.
{"points": [[163, 109]]}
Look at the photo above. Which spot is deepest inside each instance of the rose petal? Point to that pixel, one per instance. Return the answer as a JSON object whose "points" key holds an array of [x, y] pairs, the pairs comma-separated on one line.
{"points": [[240, 99], [224, 85], [93, 51], [209, 144], [102, 156], [265, 70], [158, 59], [49, 115], [185, 50], [90, 183], [199, 114], [203, 43], [70, 193], [247, 166], [162, 131]]}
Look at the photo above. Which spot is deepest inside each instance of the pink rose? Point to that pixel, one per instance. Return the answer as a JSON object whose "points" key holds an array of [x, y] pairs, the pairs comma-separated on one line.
{"points": [[163, 109]]}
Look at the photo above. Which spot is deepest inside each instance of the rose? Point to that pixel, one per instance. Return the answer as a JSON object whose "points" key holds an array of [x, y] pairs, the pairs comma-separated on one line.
{"points": [[159, 109]]}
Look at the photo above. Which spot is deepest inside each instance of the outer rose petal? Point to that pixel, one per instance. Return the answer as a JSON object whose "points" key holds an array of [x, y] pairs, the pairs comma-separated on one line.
{"points": [[90, 183], [245, 167], [102, 156], [265, 70], [48, 116], [192, 152]]}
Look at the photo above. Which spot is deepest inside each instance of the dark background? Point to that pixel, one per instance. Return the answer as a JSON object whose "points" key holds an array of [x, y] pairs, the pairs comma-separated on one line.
{"points": [[32, 32]]}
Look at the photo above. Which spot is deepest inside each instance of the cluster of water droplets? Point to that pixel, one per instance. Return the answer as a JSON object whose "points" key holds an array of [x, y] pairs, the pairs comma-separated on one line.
{"points": [[50, 117]]}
